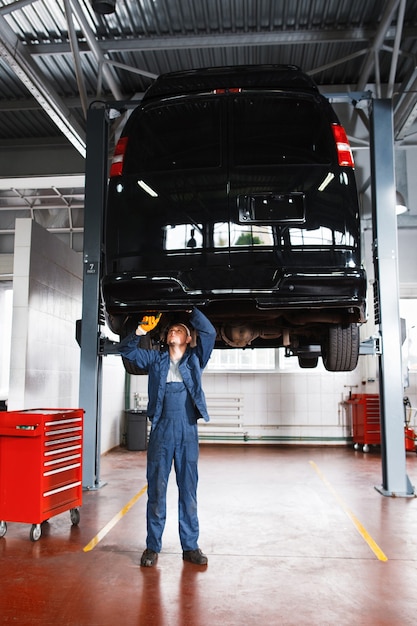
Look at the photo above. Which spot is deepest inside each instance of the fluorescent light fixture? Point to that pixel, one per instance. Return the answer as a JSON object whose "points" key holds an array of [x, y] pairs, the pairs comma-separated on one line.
{"points": [[326, 181], [64, 181], [148, 189]]}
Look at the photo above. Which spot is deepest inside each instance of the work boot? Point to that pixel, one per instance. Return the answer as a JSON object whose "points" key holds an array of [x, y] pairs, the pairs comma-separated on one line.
{"points": [[195, 556], [149, 558]]}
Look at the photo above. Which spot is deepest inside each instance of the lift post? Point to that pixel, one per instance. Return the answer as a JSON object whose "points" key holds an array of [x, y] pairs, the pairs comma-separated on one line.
{"points": [[385, 251], [91, 361]]}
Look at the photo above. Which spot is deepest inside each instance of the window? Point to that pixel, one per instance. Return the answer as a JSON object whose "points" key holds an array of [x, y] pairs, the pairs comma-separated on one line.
{"points": [[273, 130], [321, 236], [408, 311], [6, 310], [241, 235], [242, 360], [183, 237], [257, 359], [176, 136]]}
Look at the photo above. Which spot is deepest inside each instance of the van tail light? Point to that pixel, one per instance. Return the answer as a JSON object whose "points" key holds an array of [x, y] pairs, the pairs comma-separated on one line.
{"points": [[116, 167], [344, 152], [228, 90]]}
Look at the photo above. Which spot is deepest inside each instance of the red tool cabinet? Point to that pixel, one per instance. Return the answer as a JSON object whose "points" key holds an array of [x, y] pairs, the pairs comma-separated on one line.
{"points": [[40, 466], [366, 423], [366, 428]]}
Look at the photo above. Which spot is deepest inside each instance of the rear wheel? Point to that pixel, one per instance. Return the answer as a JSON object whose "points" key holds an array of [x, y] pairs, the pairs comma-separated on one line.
{"points": [[340, 351], [115, 323]]}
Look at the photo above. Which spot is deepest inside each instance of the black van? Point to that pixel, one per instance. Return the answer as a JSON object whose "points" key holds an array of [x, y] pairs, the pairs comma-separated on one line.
{"points": [[233, 189]]}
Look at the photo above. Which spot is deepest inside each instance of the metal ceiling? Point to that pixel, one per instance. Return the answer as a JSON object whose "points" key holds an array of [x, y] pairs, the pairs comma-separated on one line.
{"points": [[58, 56]]}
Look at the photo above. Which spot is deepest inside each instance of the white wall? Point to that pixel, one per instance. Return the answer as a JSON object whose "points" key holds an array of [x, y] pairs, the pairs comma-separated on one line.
{"points": [[46, 303], [305, 406], [112, 421], [45, 357]]}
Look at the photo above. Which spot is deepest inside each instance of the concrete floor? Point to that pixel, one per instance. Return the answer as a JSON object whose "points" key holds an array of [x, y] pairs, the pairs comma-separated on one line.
{"points": [[294, 536]]}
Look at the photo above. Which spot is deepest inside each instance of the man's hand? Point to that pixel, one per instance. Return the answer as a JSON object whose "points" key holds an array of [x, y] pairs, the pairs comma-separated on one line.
{"points": [[149, 322]]}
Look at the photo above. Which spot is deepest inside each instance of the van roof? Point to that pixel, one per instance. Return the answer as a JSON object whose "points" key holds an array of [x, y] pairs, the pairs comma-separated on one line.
{"points": [[245, 76]]}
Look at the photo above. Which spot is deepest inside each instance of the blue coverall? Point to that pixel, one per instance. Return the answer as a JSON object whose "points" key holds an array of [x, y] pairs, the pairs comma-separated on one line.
{"points": [[173, 409]]}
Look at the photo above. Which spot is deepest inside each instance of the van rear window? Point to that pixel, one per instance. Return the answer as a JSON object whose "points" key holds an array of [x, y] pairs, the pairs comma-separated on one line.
{"points": [[208, 132], [178, 136], [275, 130]]}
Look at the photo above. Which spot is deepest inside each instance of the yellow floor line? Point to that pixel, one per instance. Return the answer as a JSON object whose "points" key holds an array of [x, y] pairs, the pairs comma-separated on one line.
{"points": [[362, 531], [107, 528]]}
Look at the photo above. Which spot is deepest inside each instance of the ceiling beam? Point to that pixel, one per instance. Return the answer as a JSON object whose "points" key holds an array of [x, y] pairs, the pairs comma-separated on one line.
{"points": [[377, 43], [94, 46], [225, 40], [20, 62]]}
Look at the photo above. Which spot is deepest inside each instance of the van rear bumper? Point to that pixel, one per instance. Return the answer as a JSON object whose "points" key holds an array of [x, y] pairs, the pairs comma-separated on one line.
{"points": [[342, 289]]}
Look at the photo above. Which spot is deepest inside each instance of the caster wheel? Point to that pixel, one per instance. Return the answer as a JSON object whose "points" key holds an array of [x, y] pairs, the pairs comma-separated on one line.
{"points": [[366, 448], [356, 446], [3, 528], [35, 532], [75, 516]]}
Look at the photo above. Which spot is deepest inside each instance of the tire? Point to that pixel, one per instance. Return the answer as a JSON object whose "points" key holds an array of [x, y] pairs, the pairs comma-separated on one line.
{"points": [[132, 368], [306, 362], [115, 323], [340, 352]]}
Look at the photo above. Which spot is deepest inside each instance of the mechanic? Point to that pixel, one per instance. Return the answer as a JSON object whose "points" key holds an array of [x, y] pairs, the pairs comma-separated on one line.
{"points": [[175, 401]]}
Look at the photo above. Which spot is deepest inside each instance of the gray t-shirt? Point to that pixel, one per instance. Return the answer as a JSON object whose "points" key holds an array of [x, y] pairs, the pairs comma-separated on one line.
{"points": [[174, 374]]}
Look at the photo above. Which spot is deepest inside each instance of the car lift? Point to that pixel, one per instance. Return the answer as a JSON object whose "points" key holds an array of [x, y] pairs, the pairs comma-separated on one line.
{"points": [[395, 481]]}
